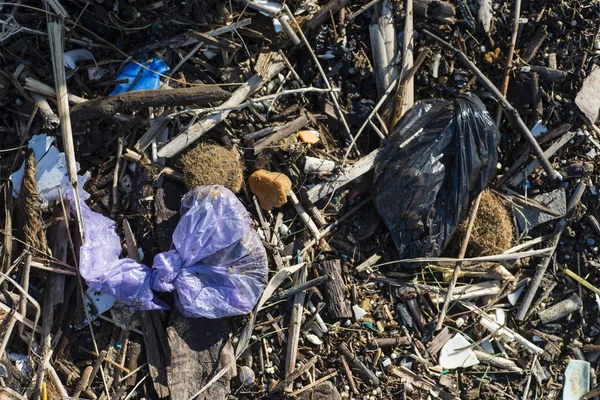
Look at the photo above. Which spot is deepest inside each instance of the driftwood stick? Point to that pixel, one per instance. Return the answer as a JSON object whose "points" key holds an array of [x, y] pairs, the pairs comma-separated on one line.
{"points": [[193, 133], [310, 224], [509, 59], [56, 38], [42, 89], [408, 95], [349, 375], [132, 101], [295, 324], [335, 290], [461, 254], [541, 268], [281, 133], [512, 113], [51, 120], [535, 44], [368, 375], [299, 288]]}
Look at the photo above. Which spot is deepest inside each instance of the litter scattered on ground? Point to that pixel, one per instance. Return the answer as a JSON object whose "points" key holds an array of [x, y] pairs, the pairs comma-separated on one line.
{"points": [[312, 200]]}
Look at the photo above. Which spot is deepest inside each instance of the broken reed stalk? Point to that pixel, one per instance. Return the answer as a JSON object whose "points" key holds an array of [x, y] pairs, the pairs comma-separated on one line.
{"points": [[511, 112], [408, 91], [295, 324], [541, 268], [509, 59], [461, 254], [57, 50]]}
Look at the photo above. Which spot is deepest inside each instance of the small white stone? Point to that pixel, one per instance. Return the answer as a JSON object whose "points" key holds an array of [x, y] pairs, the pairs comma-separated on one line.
{"points": [[394, 356], [235, 340], [246, 376], [314, 339], [460, 321]]}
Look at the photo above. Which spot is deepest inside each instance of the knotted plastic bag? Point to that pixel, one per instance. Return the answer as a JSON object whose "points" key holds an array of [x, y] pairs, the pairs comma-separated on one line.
{"points": [[217, 267], [440, 157]]}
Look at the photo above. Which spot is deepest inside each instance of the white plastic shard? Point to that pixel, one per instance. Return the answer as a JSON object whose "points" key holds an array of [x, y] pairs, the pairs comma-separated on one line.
{"points": [[577, 380], [50, 171], [456, 353]]}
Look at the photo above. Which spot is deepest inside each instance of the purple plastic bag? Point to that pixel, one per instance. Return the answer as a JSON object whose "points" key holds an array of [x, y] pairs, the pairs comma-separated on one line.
{"points": [[217, 268]]}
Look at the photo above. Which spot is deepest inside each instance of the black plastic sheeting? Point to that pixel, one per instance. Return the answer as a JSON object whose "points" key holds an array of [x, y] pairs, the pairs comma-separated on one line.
{"points": [[440, 157]]}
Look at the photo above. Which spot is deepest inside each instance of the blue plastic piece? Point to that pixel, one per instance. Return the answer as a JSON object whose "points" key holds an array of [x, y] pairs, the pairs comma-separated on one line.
{"points": [[149, 78]]}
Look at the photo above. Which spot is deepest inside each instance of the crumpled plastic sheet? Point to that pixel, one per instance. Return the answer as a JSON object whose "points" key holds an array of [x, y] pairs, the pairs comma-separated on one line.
{"points": [[50, 171], [440, 157], [217, 268], [149, 78]]}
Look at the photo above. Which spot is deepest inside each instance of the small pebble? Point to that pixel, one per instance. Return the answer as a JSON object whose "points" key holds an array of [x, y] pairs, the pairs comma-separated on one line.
{"points": [[591, 241], [246, 376], [394, 356]]}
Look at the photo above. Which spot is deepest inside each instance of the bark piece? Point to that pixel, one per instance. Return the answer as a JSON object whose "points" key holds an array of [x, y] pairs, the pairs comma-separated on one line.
{"points": [[132, 101], [335, 290], [200, 348]]}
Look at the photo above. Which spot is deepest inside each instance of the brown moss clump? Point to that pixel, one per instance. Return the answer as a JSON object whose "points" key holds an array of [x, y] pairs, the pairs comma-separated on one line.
{"points": [[493, 228], [211, 164]]}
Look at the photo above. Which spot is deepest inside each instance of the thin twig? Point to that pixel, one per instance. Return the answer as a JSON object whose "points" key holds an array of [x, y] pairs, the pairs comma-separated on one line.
{"points": [[461, 254], [509, 59]]}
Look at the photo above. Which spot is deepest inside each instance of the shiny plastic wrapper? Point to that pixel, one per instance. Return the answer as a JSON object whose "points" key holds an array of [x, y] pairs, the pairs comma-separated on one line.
{"points": [[440, 157]]}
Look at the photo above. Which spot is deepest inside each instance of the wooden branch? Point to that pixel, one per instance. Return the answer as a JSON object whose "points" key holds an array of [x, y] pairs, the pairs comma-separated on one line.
{"points": [[335, 290], [512, 113], [361, 167], [132, 101], [534, 44], [281, 133], [549, 74]]}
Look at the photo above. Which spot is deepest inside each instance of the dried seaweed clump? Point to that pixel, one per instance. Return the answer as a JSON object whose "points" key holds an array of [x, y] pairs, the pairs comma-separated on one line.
{"points": [[211, 164], [493, 228], [28, 213]]}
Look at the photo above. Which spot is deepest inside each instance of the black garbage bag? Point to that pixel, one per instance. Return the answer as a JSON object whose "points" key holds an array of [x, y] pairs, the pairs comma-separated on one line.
{"points": [[440, 157]]}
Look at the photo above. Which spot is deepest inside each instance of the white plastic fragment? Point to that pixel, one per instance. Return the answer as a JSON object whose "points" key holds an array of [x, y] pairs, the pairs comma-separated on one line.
{"points": [[314, 339], [74, 56], [577, 380], [387, 362], [22, 363], [538, 129], [500, 316], [456, 353], [277, 25], [50, 171], [101, 302], [359, 312], [514, 296]]}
